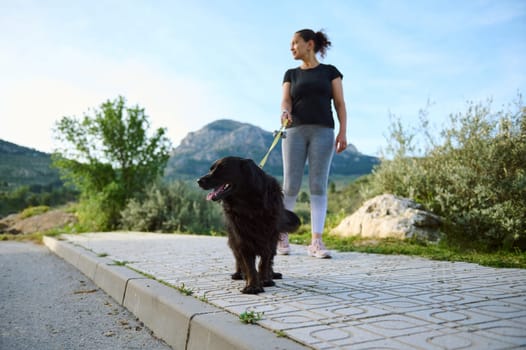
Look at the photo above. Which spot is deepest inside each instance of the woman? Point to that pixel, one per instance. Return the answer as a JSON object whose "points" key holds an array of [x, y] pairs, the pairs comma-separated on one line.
{"points": [[306, 111]]}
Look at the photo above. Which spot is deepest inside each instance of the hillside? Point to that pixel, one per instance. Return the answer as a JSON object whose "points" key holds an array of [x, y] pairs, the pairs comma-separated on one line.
{"points": [[25, 166], [220, 138]]}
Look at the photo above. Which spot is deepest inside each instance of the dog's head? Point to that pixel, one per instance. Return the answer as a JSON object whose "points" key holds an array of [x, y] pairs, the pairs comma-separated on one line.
{"points": [[228, 176]]}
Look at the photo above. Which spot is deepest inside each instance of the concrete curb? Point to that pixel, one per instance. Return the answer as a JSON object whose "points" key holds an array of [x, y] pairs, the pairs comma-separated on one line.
{"points": [[181, 321]]}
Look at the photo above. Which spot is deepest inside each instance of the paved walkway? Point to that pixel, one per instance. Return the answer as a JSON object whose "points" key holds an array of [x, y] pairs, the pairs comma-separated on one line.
{"points": [[353, 301]]}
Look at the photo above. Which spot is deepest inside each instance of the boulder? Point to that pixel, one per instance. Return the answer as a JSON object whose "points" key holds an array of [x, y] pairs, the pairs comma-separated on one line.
{"points": [[391, 216]]}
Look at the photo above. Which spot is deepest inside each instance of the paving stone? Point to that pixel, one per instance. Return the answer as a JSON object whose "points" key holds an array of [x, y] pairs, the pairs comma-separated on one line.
{"points": [[352, 301]]}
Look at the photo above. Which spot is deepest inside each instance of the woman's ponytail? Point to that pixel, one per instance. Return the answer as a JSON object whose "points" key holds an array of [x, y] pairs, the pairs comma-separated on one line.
{"points": [[321, 41]]}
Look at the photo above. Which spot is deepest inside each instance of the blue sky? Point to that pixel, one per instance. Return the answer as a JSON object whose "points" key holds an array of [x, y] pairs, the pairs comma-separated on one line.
{"points": [[189, 63]]}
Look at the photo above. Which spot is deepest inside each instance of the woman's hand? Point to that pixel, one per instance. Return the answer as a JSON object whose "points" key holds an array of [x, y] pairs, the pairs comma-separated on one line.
{"points": [[286, 117], [341, 143]]}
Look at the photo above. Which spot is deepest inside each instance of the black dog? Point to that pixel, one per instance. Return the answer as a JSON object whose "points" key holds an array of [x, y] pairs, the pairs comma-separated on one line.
{"points": [[253, 206]]}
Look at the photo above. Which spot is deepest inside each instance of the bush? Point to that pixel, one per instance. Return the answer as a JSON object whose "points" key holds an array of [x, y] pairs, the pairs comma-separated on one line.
{"points": [[100, 210], [173, 207], [473, 175]]}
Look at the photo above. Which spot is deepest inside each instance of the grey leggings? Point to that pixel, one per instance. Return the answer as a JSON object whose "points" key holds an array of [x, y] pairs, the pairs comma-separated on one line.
{"points": [[315, 145]]}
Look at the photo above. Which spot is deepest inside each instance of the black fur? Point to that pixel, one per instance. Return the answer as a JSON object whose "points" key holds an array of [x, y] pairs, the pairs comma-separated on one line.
{"points": [[253, 206]]}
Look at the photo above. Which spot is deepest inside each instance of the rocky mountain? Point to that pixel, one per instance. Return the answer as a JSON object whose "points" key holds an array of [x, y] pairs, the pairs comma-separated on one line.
{"points": [[25, 166], [220, 138]]}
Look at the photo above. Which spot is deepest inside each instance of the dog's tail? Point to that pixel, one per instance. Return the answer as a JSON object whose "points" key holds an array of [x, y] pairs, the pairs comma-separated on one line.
{"points": [[289, 222]]}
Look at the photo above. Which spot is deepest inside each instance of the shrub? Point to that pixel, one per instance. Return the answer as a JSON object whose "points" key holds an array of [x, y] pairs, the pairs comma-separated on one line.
{"points": [[173, 207], [100, 210], [473, 175]]}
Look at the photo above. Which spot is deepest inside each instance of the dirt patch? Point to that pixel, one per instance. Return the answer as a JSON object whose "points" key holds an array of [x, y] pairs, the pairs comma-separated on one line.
{"points": [[53, 219]]}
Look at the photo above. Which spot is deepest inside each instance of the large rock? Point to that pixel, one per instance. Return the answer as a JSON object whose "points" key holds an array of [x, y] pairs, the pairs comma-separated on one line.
{"points": [[391, 216]]}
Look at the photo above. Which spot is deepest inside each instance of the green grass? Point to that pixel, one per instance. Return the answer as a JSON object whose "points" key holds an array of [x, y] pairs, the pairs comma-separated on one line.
{"points": [[184, 290], [414, 248], [36, 237], [32, 211], [250, 317]]}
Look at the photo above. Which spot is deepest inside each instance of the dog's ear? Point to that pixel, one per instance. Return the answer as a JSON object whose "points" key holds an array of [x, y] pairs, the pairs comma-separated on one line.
{"points": [[254, 175]]}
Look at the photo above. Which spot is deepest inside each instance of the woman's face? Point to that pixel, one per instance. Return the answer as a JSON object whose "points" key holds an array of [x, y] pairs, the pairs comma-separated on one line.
{"points": [[300, 47]]}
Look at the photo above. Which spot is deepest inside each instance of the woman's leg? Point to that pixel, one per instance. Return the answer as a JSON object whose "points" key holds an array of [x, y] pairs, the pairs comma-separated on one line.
{"points": [[294, 152], [320, 154]]}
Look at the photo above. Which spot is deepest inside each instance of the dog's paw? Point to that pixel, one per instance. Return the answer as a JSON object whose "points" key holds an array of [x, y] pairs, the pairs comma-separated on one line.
{"points": [[237, 276], [252, 290], [276, 276], [269, 283]]}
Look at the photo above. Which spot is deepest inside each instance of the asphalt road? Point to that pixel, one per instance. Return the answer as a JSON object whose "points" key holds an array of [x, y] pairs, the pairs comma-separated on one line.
{"points": [[45, 303]]}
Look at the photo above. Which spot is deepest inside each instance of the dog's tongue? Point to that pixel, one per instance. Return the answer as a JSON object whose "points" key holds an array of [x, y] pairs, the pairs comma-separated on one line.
{"points": [[214, 193]]}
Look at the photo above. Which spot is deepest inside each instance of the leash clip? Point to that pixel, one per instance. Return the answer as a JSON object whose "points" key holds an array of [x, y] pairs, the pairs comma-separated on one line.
{"points": [[281, 133]]}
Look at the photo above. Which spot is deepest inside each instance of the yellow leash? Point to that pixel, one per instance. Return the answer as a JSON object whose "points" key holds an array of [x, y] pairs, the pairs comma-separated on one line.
{"points": [[279, 134]]}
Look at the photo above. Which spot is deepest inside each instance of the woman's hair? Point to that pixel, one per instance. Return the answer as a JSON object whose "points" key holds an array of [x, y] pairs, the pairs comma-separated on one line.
{"points": [[321, 41]]}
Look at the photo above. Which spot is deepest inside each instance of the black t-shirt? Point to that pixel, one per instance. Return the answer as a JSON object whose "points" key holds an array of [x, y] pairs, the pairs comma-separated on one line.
{"points": [[311, 92]]}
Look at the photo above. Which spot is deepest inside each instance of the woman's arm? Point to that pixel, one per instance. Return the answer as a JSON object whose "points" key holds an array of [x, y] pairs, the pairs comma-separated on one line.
{"points": [[286, 105], [341, 112]]}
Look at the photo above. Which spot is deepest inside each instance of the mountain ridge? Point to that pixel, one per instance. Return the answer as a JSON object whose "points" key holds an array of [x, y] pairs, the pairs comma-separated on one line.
{"points": [[225, 137]]}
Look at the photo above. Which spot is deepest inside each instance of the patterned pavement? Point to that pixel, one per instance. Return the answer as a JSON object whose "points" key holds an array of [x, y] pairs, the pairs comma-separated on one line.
{"points": [[352, 301]]}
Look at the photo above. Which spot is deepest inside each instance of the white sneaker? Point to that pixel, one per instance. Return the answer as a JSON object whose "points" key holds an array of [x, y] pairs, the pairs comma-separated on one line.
{"points": [[318, 250], [283, 244]]}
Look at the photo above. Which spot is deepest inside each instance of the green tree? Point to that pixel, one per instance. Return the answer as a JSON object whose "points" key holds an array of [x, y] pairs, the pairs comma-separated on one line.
{"points": [[109, 156]]}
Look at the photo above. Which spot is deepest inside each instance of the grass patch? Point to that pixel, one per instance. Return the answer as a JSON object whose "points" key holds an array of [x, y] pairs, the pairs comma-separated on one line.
{"points": [[250, 317], [32, 211], [428, 250], [184, 290], [35, 237]]}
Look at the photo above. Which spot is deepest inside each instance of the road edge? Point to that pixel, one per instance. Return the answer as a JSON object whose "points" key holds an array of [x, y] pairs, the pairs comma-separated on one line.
{"points": [[183, 322]]}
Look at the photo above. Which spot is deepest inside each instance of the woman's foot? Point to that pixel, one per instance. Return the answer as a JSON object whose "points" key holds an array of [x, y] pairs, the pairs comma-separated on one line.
{"points": [[283, 244], [318, 250]]}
